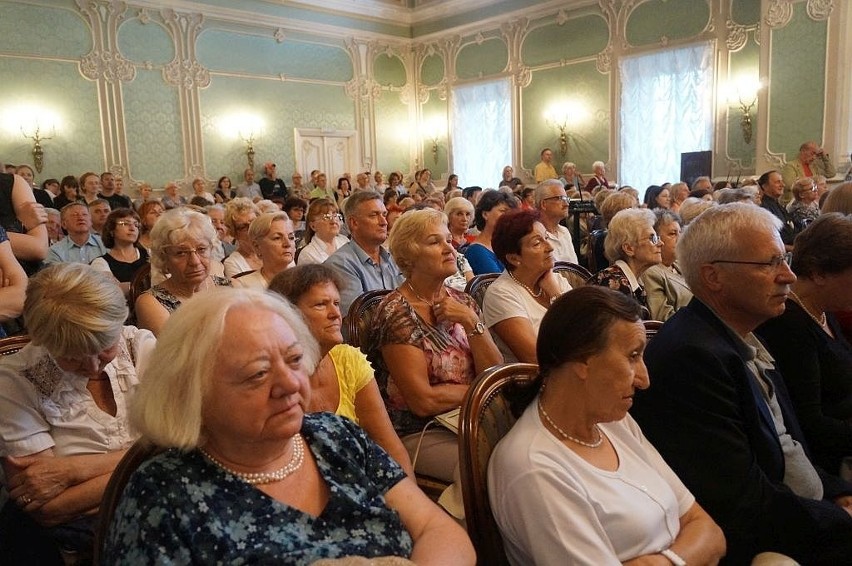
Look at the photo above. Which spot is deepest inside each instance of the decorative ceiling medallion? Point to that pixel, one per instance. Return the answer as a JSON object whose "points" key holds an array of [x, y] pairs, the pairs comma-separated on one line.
{"points": [[779, 14], [819, 10], [737, 36]]}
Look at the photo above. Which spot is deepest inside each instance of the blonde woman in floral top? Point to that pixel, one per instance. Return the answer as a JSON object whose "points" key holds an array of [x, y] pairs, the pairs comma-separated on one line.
{"points": [[429, 343]]}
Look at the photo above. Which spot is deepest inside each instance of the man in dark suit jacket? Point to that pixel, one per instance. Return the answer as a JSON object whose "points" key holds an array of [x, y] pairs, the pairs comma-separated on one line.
{"points": [[719, 413]]}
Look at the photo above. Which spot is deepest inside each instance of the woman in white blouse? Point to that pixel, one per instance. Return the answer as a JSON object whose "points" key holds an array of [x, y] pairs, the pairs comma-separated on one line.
{"points": [[575, 481], [271, 233], [322, 234], [63, 408]]}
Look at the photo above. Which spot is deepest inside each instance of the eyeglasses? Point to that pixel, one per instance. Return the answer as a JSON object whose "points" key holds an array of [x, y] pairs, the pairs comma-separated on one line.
{"points": [[654, 239], [184, 253], [564, 199], [127, 223], [329, 217], [773, 263]]}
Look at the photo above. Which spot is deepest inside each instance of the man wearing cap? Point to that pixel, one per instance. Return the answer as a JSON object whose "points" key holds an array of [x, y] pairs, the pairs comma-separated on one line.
{"points": [[271, 185]]}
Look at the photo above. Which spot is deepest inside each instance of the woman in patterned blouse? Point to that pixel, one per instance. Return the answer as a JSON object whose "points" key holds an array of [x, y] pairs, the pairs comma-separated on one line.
{"points": [[249, 477]]}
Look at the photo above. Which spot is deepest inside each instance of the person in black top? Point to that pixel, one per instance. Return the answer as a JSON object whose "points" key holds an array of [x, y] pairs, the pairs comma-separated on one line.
{"points": [[125, 256], [271, 185], [771, 188]]}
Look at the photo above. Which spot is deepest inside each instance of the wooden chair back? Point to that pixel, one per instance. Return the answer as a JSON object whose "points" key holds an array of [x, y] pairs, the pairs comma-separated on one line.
{"points": [[12, 344], [359, 319], [652, 327], [140, 283], [486, 418], [594, 256], [477, 286], [243, 273], [138, 453], [577, 275]]}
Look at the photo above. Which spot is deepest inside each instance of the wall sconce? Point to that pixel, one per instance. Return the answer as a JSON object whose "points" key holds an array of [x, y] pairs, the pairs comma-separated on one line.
{"points": [[249, 148], [745, 89], [433, 131], [38, 151], [562, 114]]}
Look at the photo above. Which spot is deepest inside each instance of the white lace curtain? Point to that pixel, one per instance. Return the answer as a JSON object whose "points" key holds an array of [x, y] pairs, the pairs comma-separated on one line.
{"points": [[666, 109], [482, 132]]}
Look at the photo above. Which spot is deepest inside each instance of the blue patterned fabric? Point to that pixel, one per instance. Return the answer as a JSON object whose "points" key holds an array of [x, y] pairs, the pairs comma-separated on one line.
{"points": [[180, 508]]}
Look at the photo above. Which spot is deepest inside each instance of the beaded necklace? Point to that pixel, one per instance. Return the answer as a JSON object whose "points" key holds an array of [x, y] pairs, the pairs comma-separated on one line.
{"points": [[267, 477], [567, 436], [530, 291]]}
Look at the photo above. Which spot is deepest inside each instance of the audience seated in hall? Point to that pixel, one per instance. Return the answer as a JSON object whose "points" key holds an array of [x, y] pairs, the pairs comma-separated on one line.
{"points": [[69, 191], [812, 160], [99, 209], [149, 212], [181, 245], [479, 253], [172, 198], [225, 245], [428, 343], [322, 232], [90, 186], [363, 262], [516, 301], [631, 246], [80, 245], [271, 186], [718, 410], [804, 208], [665, 287], [109, 194], [271, 234], [808, 345], [771, 188], [249, 188], [544, 169]]}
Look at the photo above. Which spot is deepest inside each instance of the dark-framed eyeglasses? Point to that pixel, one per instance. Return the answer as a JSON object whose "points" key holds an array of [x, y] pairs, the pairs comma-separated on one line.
{"points": [[562, 198], [773, 263]]}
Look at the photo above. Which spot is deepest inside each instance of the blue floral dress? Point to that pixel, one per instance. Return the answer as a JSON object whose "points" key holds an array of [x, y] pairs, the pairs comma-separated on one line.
{"points": [[180, 508]]}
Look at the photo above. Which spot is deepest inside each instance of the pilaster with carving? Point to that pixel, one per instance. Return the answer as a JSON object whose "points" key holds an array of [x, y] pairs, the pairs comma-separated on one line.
{"points": [[188, 76], [105, 65]]}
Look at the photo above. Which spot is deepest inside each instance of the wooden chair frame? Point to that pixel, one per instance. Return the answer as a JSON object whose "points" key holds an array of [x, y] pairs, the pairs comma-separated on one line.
{"points": [[477, 286], [487, 389], [360, 316]]}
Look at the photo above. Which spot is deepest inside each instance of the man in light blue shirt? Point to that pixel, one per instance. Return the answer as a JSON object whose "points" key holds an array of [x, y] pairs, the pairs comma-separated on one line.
{"points": [[363, 262], [80, 245]]}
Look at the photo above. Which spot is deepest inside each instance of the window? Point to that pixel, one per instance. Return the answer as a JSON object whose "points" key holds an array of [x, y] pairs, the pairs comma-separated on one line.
{"points": [[666, 109], [482, 132]]}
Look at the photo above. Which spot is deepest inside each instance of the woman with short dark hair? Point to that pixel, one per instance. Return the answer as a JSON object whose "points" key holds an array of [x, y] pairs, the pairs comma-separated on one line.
{"points": [[124, 255], [575, 481], [479, 253]]}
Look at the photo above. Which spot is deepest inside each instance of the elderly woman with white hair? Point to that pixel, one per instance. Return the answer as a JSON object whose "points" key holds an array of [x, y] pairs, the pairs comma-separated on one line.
{"points": [[570, 178], [271, 233], [429, 342], [182, 242], [63, 410], [248, 476], [632, 246], [459, 213], [665, 287]]}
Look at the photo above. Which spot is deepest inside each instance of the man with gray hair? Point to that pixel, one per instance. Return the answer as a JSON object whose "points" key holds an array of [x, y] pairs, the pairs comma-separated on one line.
{"points": [[702, 183], [719, 412], [363, 262], [552, 204]]}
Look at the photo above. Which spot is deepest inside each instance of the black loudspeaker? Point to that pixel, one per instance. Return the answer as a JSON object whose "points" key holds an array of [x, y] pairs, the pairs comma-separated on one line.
{"points": [[695, 164]]}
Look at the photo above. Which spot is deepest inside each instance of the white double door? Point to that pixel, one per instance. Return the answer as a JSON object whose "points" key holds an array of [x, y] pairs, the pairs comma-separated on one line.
{"points": [[334, 152]]}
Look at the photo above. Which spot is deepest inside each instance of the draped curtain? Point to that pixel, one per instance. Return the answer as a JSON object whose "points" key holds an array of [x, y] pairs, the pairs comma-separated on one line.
{"points": [[482, 132], [666, 109]]}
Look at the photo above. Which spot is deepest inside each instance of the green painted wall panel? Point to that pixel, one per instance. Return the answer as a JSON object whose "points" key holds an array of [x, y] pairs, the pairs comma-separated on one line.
{"points": [[152, 117], [43, 30], [486, 59], [140, 42], [745, 12], [797, 88], [76, 146], [225, 51], [432, 70], [674, 19], [388, 70], [578, 37], [319, 106], [494, 9], [392, 134], [588, 140]]}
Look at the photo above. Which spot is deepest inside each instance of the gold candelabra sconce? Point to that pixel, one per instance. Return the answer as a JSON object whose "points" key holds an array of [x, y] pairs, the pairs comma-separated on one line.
{"points": [[562, 114], [745, 120], [38, 150], [250, 149], [742, 93], [434, 129]]}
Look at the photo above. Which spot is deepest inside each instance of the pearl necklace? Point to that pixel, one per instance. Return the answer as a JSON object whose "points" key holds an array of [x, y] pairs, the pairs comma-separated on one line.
{"points": [[410, 286], [821, 320], [267, 477], [567, 436], [530, 291]]}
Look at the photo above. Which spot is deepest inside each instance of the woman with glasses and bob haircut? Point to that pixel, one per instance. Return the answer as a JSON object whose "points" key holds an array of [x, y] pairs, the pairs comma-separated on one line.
{"points": [[181, 244], [63, 411], [322, 233], [631, 246], [124, 256]]}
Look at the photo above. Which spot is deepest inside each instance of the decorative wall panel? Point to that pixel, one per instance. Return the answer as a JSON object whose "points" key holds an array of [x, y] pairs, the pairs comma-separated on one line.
{"points": [[574, 38], [43, 31], [660, 21], [482, 58]]}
